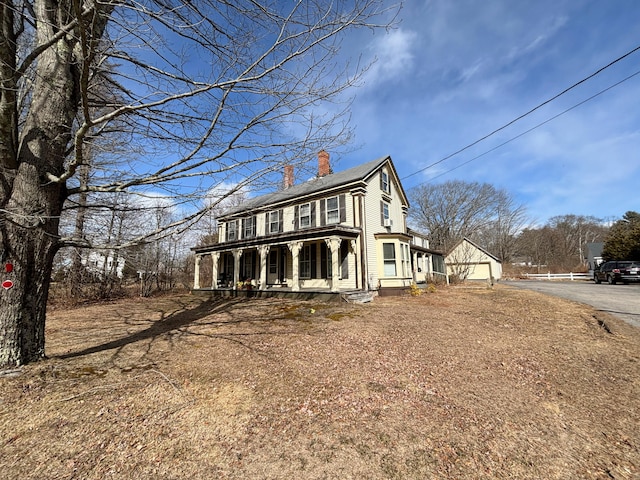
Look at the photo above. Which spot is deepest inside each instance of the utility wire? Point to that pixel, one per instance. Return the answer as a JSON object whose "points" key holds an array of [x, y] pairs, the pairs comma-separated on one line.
{"points": [[597, 72], [537, 126]]}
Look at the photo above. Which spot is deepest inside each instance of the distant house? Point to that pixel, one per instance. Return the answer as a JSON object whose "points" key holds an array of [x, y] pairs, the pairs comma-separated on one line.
{"points": [[338, 232], [468, 261], [103, 264]]}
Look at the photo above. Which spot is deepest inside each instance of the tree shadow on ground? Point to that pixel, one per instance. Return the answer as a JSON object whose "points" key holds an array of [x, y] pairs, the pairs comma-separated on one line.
{"points": [[169, 323]]}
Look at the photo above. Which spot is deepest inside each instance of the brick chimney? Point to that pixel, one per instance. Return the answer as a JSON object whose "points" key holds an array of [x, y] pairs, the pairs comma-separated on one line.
{"points": [[324, 168], [288, 176]]}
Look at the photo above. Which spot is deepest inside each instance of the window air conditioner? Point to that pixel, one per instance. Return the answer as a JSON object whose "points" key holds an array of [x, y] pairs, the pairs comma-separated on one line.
{"points": [[388, 222]]}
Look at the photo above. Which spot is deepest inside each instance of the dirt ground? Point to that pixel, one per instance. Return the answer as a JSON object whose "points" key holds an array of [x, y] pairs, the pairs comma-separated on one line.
{"points": [[461, 383]]}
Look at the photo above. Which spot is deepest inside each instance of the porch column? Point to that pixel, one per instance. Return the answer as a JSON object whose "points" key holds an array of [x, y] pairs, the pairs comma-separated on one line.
{"points": [[356, 258], [415, 266], [237, 253], [333, 243], [196, 273], [295, 247], [263, 250], [215, 256]]}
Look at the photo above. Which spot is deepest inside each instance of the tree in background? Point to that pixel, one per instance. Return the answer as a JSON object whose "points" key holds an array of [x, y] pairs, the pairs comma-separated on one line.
{"points": [[623, 241], [560, 245], [453, 210], [205, 93]]}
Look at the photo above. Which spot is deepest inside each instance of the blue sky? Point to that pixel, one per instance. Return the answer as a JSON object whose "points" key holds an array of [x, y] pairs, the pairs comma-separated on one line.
{"points": [[454, 71]]}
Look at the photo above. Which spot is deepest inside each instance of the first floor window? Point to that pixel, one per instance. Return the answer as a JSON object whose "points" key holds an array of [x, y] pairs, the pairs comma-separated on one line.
{"points": [[305, 262], [406, 260], [389, 254], [273, 261], [247, 272]]}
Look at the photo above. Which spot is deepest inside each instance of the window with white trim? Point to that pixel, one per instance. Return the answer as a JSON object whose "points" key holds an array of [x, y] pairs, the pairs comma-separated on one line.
{"points": [[384, 182], [232, 230], [389, 254], [305, 215], [249, 227], [333, 210], [274, 221], [406, 260], [385, 211]]}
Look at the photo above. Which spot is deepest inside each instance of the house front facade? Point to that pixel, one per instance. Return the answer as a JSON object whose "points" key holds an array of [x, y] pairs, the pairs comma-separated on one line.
{"points": [[338, 232]]}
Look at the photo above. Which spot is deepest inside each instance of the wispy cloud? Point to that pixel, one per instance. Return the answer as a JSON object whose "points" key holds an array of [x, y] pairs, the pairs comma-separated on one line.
{"points": [[456, 71]]}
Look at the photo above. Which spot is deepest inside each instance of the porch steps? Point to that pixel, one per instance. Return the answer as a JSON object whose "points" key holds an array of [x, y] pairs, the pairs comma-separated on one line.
{"points": [[359, 297]]}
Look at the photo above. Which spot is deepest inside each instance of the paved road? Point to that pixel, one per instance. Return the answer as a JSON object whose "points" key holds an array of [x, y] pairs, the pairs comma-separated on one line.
{"points": [[623, 301]]}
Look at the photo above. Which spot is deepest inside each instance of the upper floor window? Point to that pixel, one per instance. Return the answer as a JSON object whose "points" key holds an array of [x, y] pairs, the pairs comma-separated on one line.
{"points": [[305, 215], [384, 182], [232, 230], [249, 227], [274, 222], [333, 210]]}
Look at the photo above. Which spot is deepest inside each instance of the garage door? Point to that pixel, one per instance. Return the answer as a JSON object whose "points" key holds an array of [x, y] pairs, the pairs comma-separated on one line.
{"points": [[480, 271]]}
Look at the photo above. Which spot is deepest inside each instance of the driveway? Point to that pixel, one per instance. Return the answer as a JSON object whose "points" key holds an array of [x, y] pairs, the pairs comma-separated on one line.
{"points": [[622, 301]]}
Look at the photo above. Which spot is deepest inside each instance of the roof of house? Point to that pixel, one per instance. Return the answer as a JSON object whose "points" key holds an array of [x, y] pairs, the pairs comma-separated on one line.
{"points": [[313, 186], [465, 239]]}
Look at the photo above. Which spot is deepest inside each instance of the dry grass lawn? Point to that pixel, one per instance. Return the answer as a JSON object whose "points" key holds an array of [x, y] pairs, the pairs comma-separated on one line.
{"points": [[461, 383]]}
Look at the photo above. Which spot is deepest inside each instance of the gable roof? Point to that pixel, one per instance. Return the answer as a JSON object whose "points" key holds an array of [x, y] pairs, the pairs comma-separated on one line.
{"points": [[316, 185], [465, 239]]}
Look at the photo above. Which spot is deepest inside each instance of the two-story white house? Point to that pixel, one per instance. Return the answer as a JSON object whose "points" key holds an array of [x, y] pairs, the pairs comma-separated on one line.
{"points": [[338, 232]]}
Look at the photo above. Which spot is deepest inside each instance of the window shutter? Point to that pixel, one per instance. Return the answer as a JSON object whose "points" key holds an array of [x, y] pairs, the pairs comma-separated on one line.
{"points": [[344, 260], [296, 218], [241, 232], [280, 220], [381, 181], [323, 215], [266, 223], [381, 213], [343, 208], [314, 257], [226, 232], [313, 214]]}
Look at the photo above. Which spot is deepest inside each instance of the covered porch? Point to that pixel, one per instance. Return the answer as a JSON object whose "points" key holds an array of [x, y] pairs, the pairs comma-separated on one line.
{"points": [[319, 260]]}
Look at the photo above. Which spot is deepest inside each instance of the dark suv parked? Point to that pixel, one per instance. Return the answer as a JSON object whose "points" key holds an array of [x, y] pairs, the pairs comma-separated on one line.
{"points": [[618, 271]]}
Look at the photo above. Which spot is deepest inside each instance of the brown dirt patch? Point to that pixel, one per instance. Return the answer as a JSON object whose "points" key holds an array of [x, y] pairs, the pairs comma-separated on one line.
{"points": [[462, 383]]}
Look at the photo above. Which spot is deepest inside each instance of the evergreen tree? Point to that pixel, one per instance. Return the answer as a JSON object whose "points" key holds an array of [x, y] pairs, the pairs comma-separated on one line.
{"points": [[623, 241]]}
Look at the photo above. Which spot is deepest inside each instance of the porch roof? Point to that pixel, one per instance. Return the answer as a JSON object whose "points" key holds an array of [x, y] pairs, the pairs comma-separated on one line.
{"points": [[309, 234]]}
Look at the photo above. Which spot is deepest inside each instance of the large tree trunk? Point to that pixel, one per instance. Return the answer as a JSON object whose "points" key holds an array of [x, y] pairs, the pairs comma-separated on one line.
{"points": [[32, 202]]}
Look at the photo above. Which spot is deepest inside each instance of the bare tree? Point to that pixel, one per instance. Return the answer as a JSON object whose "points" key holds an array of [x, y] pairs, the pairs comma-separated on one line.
{"points": [[560, 245], [208, 92], [452, 210], [500, 235]]}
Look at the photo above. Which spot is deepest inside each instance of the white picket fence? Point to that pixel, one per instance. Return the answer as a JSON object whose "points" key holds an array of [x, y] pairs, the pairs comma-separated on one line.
{"points": [[558, 276]]}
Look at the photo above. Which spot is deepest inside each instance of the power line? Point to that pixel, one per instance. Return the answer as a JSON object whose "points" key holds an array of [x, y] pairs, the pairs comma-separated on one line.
{"points": [[538, 125], [597, 72]]}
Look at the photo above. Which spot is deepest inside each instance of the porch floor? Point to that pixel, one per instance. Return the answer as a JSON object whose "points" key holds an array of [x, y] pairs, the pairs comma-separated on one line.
{"points": [[281, 292]]}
